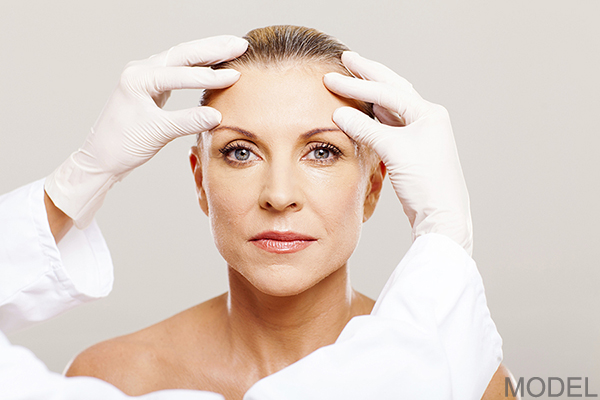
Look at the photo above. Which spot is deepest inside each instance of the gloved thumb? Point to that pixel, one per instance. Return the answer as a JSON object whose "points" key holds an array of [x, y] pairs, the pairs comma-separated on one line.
{"points": [[361, 128], [191, 121]]}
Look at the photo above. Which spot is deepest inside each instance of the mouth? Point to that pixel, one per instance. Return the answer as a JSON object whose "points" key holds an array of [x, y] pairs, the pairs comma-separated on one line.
{"points": [[282, 242]]}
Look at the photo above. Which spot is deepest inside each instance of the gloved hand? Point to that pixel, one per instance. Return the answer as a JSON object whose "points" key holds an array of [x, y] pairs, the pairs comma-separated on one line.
{"points": [[415, 141], [132, 127]]}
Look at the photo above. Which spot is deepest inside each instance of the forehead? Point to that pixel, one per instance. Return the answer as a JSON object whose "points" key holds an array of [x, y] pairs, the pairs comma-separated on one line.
{"points": [[290, 99]]}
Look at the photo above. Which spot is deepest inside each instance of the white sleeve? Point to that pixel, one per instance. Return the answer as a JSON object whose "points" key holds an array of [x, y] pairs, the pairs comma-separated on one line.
{"points": [[430, 336], [38, 279]]}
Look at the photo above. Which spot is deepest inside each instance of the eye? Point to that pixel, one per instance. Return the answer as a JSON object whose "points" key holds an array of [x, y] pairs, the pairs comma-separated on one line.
{"points": [[323, 152], [241, 154], [238, 153]]}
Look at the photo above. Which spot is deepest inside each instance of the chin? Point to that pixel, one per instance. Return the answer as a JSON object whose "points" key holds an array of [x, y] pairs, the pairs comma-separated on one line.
{"points": [[282, 280]]}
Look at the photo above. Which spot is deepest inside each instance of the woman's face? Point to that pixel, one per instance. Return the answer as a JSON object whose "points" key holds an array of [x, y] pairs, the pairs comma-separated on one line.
{"points": [[285, 190]]}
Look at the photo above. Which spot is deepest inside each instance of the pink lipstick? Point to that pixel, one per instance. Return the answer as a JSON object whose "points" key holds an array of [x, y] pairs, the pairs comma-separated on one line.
{"points": [[282, 242]]}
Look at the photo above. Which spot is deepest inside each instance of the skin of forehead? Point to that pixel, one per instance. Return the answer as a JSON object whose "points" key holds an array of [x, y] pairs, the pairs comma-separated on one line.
{"points": [[292, 92], [283, 89]]}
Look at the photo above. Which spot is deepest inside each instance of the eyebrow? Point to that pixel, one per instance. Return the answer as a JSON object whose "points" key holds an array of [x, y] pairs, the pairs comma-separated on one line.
{"points": [[251, 135]]}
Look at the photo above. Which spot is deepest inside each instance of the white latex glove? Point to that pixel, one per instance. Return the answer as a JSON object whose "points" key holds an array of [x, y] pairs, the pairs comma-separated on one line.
{"points": [[414, 139], [132, 127]]}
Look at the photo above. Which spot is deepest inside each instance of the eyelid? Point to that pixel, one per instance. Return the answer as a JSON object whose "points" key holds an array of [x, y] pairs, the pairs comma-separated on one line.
{"points": [[326, 145], [236, 144]]}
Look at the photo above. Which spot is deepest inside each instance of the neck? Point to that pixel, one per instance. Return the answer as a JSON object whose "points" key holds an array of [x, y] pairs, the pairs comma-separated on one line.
{"points": [[275, 331]]}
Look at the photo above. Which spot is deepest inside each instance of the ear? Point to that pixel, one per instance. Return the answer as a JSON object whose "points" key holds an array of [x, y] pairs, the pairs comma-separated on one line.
{"points": [[374, 190], [196, 164]]}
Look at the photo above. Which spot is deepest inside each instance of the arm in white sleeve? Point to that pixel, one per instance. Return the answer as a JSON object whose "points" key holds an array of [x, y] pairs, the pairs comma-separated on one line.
{"points": [[38, 278], [430, 336]]}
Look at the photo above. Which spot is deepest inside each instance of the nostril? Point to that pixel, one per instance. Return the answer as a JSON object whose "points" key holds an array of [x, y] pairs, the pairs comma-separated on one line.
{"points": [[280, 195], [292, 206]]}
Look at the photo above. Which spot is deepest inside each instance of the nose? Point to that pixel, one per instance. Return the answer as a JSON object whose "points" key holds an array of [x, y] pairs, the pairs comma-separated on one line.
{"points": [[282, 189]]}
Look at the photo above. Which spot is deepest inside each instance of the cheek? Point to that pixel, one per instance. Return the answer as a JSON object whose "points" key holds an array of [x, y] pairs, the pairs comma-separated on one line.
{"points": [[333, 201], [231, 199], [337, 197]]}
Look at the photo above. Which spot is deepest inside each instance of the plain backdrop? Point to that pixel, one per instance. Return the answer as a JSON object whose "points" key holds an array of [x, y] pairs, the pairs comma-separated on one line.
{"points": [[519, 78]]}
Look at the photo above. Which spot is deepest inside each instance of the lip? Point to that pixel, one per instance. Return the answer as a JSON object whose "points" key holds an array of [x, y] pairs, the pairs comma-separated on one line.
{"points": [[282, 242]]}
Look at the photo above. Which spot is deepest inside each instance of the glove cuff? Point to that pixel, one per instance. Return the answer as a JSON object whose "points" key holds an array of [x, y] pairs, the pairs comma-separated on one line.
{"points": [[455, 225], [78, 189]]}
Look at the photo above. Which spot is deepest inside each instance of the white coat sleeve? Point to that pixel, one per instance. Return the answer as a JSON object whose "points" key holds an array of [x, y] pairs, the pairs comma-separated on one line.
{"points": [[38, 279], [430, 336]]}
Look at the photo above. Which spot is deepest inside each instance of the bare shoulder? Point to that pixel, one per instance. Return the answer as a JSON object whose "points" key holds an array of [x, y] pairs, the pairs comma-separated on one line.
{"points": [[496, 389], [123, 363], [152, 358], [128, 363]]}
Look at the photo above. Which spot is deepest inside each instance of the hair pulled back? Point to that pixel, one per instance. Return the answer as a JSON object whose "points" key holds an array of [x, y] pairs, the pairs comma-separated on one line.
{"points": [[287, 45]]}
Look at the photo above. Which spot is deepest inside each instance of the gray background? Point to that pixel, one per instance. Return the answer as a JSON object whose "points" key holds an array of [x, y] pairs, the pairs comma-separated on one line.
{"points": [[520, 79]]}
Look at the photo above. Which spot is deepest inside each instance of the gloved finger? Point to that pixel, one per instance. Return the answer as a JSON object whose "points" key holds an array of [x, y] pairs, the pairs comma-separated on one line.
{"points": [[205, 51], [189, 121], [388, 117], [373, 71], [409, 105], [358, 126], [164, 79]]}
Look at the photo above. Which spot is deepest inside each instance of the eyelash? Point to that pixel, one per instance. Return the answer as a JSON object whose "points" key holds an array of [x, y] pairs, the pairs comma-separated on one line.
{"points": [[232, 147], [335, 151]]}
